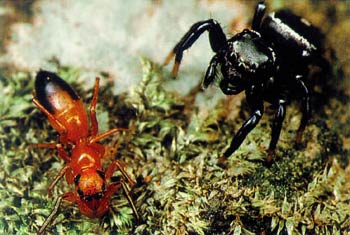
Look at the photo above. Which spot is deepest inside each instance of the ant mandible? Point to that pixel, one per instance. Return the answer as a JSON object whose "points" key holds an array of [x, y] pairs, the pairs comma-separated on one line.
{"points": [[66, 113]]}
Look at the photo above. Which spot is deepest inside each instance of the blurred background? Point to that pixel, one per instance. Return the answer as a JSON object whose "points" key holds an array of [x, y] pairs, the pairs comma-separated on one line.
{"points": [[111, 36]]}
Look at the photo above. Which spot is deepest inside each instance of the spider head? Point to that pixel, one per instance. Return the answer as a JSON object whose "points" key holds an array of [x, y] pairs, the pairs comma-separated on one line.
{"points": [[247, 61]]}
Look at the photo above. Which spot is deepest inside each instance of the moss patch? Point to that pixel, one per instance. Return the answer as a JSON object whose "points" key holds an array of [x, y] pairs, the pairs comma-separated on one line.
{"points": [[171, 150]]}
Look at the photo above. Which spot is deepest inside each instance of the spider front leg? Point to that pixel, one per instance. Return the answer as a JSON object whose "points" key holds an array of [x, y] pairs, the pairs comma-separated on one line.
{"points": [[217, 40]]}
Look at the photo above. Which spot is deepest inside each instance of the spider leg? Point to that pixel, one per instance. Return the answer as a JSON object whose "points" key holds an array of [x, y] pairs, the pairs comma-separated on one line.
{"points": [[306, 110], [276, 128], [243, 132], [211, 72], [258, 15], [217, 40]]}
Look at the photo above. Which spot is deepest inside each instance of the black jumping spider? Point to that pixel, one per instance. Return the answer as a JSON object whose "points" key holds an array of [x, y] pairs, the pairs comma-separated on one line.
{"points": [[269, 62]]}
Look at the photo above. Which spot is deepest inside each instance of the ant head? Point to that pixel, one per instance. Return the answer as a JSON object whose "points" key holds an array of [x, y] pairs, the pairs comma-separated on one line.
{"points": [[91, 188]]}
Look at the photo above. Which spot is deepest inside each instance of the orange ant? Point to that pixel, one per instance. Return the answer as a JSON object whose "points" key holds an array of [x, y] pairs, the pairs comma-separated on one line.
{"points": [[66, 113]]}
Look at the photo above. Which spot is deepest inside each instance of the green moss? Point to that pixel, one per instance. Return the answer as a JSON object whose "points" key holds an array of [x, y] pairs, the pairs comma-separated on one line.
{"points": [[171, 149]]}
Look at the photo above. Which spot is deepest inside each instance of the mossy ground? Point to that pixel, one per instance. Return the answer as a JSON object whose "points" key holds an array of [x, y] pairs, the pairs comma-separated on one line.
{"points": [[171, 150]]}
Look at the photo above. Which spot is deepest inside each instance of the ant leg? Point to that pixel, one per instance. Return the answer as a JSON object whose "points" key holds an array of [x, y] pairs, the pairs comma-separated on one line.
{"points": [[57, 178], [276, 129], [114, 187], [94, 124], [211, 72], [49, 219], [127, 193], [67, 196], [61, 129], [306, 110], [106, 134], [93, 119], [113, 166], [217, 41], [243, 132], [258, 15], [61, 152], [45, 145]]}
